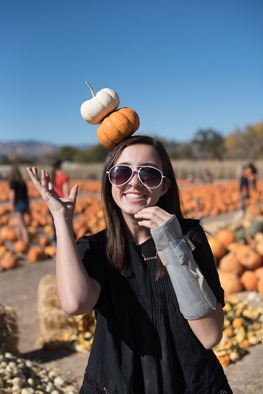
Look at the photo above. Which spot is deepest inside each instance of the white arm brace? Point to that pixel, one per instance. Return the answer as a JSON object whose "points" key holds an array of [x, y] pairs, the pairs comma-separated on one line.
{"points": [[195, 297]]}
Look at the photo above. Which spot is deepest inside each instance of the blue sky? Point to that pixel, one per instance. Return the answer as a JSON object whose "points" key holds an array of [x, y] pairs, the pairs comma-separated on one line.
{"points": [[182, 65]]}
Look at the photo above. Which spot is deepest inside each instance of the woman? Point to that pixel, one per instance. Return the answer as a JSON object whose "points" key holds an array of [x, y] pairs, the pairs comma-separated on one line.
{"points": [[19, 202], [156, 321], [60, 180], [244, 187]]}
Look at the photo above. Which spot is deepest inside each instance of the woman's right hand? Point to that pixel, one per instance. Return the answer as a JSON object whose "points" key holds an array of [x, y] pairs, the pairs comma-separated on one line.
{"points": [[56, 204]]}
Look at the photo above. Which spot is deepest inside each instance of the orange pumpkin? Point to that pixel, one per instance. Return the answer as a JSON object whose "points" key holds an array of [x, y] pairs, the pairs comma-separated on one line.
{"points": [[259, 272], [248, 257], [20, 246], [225, 237], [224, 360], [3, 250], [9, 261], [254, 210], [229, 263], [50, 250], [118, 125], [43, 240], [217, 248], [35, 254], [260, 286], [230, 282], [249, 280]]}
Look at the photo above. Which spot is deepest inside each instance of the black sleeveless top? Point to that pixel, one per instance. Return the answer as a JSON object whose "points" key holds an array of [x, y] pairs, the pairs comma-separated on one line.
{"points": [[142, 343]]}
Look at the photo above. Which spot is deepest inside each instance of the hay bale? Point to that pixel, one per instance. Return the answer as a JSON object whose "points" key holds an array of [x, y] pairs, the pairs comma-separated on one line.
{"points": [[55, 324], [9, 333]]}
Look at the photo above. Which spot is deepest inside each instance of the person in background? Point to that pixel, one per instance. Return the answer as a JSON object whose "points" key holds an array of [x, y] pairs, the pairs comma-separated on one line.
{"points": [[150, 276], [244, 186], [19, 202], [60, 181], [253, 174]]}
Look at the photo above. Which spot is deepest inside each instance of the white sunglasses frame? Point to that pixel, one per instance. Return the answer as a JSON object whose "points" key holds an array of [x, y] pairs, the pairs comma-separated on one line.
{"points": [[138, 174]]}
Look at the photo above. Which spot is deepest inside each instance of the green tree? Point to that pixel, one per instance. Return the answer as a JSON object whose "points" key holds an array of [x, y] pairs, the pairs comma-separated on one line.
{"points": [[67, 152], [97, 153], [210, 143]]}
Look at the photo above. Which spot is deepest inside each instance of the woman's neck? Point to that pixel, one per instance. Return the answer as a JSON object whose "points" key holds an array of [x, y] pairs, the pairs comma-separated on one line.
{"points": [[140, 234]]}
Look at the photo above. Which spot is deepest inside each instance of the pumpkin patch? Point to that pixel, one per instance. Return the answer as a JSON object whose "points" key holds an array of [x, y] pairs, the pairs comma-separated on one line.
{"points": [[237, 247]]}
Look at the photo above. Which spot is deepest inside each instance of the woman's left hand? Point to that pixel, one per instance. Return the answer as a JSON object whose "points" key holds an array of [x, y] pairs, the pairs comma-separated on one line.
{"points": [[152, 217]]}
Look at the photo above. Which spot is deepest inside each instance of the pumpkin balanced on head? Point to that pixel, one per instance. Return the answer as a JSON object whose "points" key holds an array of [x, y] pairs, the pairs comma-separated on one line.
{"points": [[118, 125], [115, 124], [100, 105]]}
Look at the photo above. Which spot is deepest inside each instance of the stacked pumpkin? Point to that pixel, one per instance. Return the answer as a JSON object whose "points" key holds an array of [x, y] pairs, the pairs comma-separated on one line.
{"points": [[114, 124]]}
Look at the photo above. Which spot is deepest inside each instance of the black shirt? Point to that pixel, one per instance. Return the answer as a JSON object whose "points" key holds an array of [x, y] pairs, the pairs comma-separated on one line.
{"points": [[142, 343], [20, 190]]}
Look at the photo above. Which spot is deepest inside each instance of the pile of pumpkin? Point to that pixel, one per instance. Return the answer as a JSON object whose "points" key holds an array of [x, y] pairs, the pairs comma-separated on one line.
{"points": [[238, 253], [216, 198], [243, 328], [88, 219], [22, 376]]}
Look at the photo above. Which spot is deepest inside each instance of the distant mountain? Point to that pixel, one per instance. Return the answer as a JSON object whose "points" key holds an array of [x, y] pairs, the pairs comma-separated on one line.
{"points": [[29, 149]]}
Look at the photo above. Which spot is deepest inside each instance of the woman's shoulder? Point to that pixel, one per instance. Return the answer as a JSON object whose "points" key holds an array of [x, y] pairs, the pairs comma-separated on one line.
{"points": [[189, 224], [93, 240]]}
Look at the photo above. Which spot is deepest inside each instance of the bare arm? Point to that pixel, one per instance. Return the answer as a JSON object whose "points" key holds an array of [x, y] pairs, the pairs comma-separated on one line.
{"points": [[77, 292], [12, 199], [209, 329]]}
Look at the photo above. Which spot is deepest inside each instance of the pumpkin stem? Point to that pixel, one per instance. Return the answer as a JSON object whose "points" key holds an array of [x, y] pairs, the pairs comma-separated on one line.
{"points": [[90, 87]]}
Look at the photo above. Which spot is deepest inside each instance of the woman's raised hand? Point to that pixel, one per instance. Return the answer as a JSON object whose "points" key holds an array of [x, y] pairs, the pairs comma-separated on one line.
{"points": [[152, 217], [56, 204]]}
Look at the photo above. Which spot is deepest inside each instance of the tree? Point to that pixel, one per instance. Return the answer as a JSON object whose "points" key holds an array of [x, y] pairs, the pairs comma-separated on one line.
{"points": [[67, 153], [210, 143], [246, 144], [236, 145], [254, 136]]}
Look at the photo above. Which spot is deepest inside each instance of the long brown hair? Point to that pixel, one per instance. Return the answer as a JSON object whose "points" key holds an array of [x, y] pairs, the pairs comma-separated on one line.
{"points": [[16, 175], [117, 230]]}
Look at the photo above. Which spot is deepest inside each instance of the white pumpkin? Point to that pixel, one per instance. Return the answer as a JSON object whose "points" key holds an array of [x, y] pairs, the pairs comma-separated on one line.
{"points": [[100, 105]]}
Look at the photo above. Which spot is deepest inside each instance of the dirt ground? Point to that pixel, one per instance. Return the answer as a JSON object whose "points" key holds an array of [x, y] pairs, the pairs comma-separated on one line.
{"points": [[18, 289]]}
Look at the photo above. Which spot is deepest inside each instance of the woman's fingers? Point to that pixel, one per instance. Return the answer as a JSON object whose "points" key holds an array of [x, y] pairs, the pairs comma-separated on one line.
{"points": [[152, 217], [73, 193], [32, 172], [41, 182]]}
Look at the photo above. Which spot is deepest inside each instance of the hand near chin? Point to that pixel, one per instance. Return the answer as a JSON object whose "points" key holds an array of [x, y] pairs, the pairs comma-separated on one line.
{"points": [[56, 204], [152, 217]]}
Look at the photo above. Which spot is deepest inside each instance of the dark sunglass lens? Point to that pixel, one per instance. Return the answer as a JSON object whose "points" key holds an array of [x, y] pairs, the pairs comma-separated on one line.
{"points": [[120, 175], [151, 177]]}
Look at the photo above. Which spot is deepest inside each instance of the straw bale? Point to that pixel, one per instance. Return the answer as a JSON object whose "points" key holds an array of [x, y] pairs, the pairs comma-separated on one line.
{"points": [[54, 322], [9, 333]]}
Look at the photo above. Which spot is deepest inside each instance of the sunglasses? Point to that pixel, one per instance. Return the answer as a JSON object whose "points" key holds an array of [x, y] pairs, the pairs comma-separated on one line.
{"points": [[150, 177]]}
